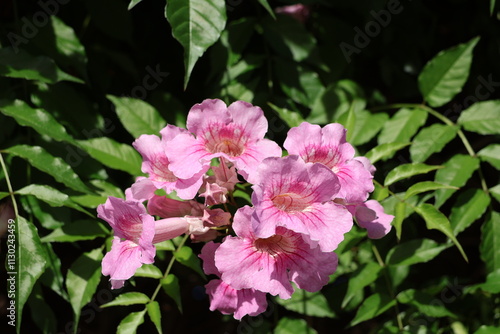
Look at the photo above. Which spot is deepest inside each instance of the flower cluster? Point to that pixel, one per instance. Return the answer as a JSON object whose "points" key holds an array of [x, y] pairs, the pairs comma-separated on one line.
{"points": [[302, 204]]}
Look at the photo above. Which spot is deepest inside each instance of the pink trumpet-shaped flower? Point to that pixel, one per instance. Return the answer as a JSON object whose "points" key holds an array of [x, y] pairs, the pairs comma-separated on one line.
{"points": [[270, 264], [156, 165], [328, 146], [371, 216], [235, 133], [291, 193], [135, 233], [225, 298]]}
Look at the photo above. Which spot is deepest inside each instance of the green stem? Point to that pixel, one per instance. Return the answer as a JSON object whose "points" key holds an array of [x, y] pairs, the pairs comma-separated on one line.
{"points": [[389, 287], [169, 267], [446, 121], [9, 186]]}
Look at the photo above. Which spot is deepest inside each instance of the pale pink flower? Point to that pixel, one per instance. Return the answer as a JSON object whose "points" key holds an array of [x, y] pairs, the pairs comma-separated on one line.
{"points": [[235, 133], [271, 264], [156, 165], [291, 193], [371, 216], [135, 232], [298, 11], [225, 298], [328, 146]]}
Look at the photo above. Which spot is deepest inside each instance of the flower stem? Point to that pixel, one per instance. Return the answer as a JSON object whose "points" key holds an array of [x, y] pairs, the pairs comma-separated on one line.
{"points": [[9, 186], [169, 267]]}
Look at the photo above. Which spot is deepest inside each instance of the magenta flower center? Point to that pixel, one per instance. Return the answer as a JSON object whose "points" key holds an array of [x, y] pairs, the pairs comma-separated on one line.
{"points": [[275, 245], [132, 227], [328, 156], [290, 202], [225, 139]]}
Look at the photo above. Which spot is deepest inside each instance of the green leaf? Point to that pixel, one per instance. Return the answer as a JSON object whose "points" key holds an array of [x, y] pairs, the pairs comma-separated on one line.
{"points": [[384, 151], [373, 306], [196, 24], [491, 154], [66, 41], [20, 64], [52, 277], [299, 83], [399, 217], [76, 231], [113, 154], [29, 265], [430, 140], [291, 118], [482, 117], [495, 192], [366, 126], [137, 116], [133, 3], [293, 326], [434, 219], [170, 285], [487, 330], [444, 75], [82, 280], [414, 251], [38, 119], [129, 298], [405, 171], [89, 201], [51, 196], [455, 173], [130, 323], [469, 207], [492, 10], [148, 270], [186, 257], [424, 303], [490, 243], [41, 313], [307, 303], [39, 158], [265, 4], [154, 313], [492, 283], [402, 126], [362, 277], [424, 186]]}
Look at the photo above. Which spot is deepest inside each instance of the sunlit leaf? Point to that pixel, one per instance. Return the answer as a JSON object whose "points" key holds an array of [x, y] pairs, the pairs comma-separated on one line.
{"points": [[445, 74], [291, 118], [424, 303], [455, 173], [76, 231], [137, 116], [293, 326], [129, 298], [402, 126], [196, 24], [491, 154], [414, 251], [373, 306], [148, 270], [469, 207], [362, 277], [482, 117], [186, 257], [434, 219], [130, 323], [424, 186], [405, 171], [154, 313], [170, 285], [307, 303], [384, 151], [431, 140]]}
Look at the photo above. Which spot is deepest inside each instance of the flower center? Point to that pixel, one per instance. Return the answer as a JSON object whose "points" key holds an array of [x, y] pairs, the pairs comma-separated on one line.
{"points": [[327, 156], [290, 202], [161, 171], [275, 245], [227, 139]]}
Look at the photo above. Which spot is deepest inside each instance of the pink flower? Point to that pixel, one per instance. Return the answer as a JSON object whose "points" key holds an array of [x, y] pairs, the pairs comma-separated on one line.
{"points": [[135, 233], [371, 216], [298, 11], [235, 133], [291, 193], [270, 264], [156, 164], [328, 146], [223, 297]]}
